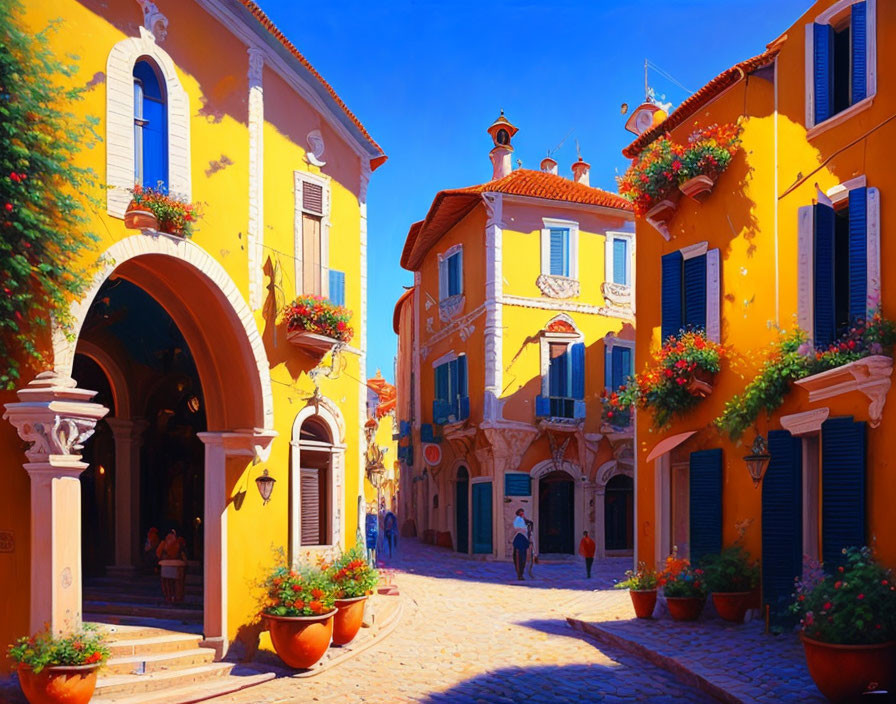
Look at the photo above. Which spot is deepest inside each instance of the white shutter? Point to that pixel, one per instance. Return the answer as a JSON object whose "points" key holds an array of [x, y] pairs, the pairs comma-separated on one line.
{"points": [[713, 296], [443, 279], [873, 239], [310, 518], [805, 274]]}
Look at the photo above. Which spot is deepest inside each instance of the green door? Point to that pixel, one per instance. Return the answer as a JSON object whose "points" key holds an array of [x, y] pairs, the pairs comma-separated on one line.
{"points": [[482, 518]]}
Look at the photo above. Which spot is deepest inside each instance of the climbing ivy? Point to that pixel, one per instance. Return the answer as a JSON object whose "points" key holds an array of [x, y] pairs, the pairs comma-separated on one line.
{"points": [[43, 214]]}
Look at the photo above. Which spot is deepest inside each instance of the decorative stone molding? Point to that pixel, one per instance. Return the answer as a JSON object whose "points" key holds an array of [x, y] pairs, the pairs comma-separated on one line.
{"points": [[508, 443], [256, 176], [616, 294], [316, 148], [154, 20], [805, 423], [494, 296], [610, 469], [450, 307], [557, 286], [568, 306], [870, 375]]}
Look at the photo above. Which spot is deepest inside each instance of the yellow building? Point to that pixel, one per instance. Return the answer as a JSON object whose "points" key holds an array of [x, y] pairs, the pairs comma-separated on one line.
{"points": [[522, 288], [199, 389], [790, 235], [381, 403]]}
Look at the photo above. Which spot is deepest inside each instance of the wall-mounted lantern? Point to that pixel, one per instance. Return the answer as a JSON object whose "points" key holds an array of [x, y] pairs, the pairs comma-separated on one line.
{"points": [[265, 484], [758, 459]]}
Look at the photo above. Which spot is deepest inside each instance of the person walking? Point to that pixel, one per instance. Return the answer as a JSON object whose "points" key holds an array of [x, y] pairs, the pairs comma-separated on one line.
{"points": [[586, 550], [520, 543]]}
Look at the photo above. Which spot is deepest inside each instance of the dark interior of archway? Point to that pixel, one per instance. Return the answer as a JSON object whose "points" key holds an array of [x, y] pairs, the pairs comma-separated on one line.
{"points": [[556, 496], [619, 511], [164, 388]]}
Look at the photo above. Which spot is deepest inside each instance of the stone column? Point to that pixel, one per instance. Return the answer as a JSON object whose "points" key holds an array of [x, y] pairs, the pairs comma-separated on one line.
{"points": [[56, 418], [598, 494], [128, 433]]}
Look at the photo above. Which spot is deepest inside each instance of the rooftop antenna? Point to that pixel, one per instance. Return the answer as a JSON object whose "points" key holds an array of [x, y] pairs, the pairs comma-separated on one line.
{"points": [[553, 151], [578, 151], [646, 86]]}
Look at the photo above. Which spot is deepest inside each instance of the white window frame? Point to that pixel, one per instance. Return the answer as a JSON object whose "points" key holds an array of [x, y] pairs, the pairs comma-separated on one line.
{"points": [[573, 227], [300, 178], [832, 16], [546, 338], [629, 237], [443, 258], [806, 253], [611, 342]]}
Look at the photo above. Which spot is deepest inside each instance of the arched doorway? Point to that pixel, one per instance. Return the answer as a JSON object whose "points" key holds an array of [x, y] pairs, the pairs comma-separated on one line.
{"points": [[619, 513], [462, 510], [556, 513]]}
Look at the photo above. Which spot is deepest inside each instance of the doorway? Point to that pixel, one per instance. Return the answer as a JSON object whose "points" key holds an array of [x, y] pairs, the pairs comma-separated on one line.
{"points": [[619, 507], [462, 510], [556, 513]]}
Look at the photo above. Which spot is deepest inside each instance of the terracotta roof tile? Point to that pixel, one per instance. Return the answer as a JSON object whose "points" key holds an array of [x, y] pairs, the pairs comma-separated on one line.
{"points": [[450, 206], [693, 103]]}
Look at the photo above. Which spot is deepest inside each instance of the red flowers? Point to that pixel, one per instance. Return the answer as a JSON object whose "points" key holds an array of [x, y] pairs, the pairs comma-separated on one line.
{"points": [[8, 207], [319, 315]]}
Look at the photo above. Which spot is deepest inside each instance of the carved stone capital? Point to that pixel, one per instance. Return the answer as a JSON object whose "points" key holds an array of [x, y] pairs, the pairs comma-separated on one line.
{"points": [[154, 20], [254, 443], [557, 286]]}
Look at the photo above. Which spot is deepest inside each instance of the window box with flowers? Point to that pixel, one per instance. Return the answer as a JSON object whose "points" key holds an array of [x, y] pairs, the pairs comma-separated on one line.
{"points": [[651, 183], [156, 209], [317, 325], [705, 157]]}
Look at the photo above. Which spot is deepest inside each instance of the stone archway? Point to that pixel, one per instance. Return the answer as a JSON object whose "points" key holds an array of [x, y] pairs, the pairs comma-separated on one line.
{"points": [[602, 477], [547, 467]]}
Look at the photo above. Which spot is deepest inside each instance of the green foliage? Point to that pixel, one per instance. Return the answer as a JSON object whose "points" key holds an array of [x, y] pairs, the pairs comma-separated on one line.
{"points": [[652, 176], [42, 219], [175, 215], [86, 646], [352, 575], [303, 590], [731, 570], [855, 604], [709, 151], [638, 580]]}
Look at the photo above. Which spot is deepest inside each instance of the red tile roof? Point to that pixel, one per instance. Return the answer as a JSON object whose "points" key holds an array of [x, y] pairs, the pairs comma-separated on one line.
{"points": [[265, 21], [450, 206], [692, 104]]}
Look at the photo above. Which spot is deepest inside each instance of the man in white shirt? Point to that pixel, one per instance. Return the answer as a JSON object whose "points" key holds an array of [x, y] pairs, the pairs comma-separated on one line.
{"points": [[520, 543]]}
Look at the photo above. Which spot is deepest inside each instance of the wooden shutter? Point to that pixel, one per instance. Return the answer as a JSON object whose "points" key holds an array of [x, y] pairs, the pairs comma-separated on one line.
{"points": [[559, 252], [542, 406], [859, 39], [310, 252], [782, 525], [622, 364], [455, 264], [517, 484], [695, 292], [310, 520], [312, 198], [823, 70], [858, 253], [842, 487], [482, 518], [620, 261], [705, 481], [463, 394], [824, 325], [337, 287], [558, 370], [671, 291], [577, 363]]}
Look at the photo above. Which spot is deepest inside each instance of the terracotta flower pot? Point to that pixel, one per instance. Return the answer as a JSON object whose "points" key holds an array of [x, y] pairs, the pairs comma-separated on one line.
{"points": [[347, 622], [644, 601], [731, 606], [58, 684], [138, 218], [301, 641], [685, 608], [700, 384], [842, 672], [699, 187]]}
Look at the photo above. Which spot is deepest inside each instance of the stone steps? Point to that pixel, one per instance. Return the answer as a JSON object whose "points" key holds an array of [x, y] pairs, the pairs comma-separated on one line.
{"points": [[151, 643], [189, 694], [110, 685], [156, 661]]}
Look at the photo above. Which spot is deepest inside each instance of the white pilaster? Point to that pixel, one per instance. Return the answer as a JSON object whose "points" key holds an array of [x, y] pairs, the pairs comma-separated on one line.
{"points": [[362, 344], [493, 307], [128, 435], [256, 176]]}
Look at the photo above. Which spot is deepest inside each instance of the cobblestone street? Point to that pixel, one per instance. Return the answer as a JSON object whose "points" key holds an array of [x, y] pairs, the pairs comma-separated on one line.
{"points": [[471, 634]]}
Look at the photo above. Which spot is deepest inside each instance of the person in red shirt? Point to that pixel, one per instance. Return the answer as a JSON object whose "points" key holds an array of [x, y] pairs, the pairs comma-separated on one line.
{"points": [[586, 550]]}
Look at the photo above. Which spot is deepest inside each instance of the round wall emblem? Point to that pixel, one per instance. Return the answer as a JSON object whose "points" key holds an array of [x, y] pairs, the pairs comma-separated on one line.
{"points": [[432, 454]]}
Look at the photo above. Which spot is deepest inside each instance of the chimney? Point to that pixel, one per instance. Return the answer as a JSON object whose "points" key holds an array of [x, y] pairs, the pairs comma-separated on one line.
{"points": [[501, 132], [549, 166], [580, 172]]}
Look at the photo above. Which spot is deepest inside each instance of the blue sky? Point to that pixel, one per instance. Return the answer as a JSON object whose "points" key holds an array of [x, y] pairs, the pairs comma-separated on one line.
{"points": [[428, 78]]}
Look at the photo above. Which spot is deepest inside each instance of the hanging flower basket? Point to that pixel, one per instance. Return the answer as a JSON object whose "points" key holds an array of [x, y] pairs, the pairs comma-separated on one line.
{"points": [[651, 183], [316, 324], [706, 155], [167, 212], [698, 188], [700, 384]]}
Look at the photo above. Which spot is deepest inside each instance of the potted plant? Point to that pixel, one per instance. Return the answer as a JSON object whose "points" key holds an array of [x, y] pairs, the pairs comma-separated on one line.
{"points": [[684, 588], [59, 669], [618, 406], [156, 209], [354, 579], [848, 624], [641, 585], [298, 609], [317, 324], [651, 184], [706, 155], [731, 578]]}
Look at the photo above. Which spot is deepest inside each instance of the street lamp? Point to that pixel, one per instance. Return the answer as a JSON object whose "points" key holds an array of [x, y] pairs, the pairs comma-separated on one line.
{"points": [[265, 484], [758, 459]]}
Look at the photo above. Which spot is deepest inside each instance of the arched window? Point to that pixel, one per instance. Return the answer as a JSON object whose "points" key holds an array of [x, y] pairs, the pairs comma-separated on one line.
{"points": [[315, 448], [150, 126]]}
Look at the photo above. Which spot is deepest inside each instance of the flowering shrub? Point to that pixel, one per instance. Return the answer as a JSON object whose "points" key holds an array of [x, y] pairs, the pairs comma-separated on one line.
{"points": [[876, 335], [298, 591], [640, 580], [175, 216], [679, 578], [86, 646], [352, 575], [618, 405], [853, 605], [731, 570], [652, 176], [319, 315], [709, 151]]}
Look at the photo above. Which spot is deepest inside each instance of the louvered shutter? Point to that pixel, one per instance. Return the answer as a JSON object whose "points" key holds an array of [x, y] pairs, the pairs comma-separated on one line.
{"points": [[695, 292], [443, 279], [608, 367], [542, 406], [622, 363], [620, 261], [559, 252], [824, 326], [782, 527], [441, 410], [842, 487], [312, 198], [858, 253], [859, 41], [517, 484], [337, 287], [671, 290], [463, 388], [823, 70], [482, 518], [577, 362], [453, 390], [705, 503], [442, 382], [310, 521], [558, 374]]}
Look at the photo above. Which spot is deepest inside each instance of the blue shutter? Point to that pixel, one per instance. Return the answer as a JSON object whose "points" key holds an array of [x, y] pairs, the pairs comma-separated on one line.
{"points": [[410, 456], [482, 518], [404, 428], [454, 274], [842, 487], [337, 287], [671, 289], [695, 293], [441, 409], [426, 433], [558, 376], [442, 382], [577, 361], [825, 326], [622, 364], [620, 261], [608, 367], [578, 409], [454, 388], [559, 253], [542, 406], [858, 252], [463, 410], [823, 69], [859, 38], [782, 521], [516, 484], [705, 503]]}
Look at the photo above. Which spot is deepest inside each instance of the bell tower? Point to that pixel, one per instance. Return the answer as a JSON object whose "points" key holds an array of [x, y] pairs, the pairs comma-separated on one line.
{"points": [[501, 132]]}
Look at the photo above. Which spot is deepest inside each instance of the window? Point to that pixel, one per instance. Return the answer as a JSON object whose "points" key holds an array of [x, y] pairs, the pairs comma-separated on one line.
{"points": [[312, 226], [559, 248], [451, 402], [619, 365], [337, 287], [451, 273], [690, 291], [150, 127], [559, 265], [841, 57], [564, 381], [620, 261], [315, 448]]}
